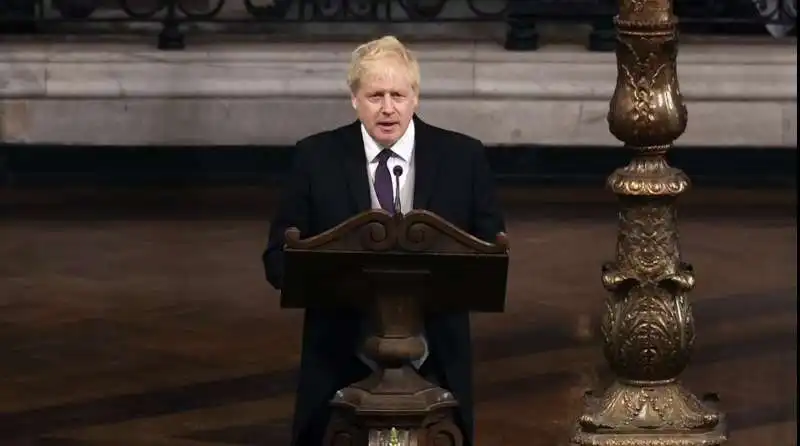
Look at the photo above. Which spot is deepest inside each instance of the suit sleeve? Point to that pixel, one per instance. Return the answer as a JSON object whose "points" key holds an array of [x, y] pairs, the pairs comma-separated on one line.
{"points": [[293, 211], [487, 218]]}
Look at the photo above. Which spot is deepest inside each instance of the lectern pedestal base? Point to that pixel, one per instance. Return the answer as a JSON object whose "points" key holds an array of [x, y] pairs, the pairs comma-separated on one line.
{"points": [[435, 429], [394, 407]]}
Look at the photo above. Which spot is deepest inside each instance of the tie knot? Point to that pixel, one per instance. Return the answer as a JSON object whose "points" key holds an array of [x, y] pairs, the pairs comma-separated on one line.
{"points": [[384, 156]]}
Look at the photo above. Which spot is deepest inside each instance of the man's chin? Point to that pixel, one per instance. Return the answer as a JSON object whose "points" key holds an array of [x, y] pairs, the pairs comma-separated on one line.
{"points": [[386, 140]]}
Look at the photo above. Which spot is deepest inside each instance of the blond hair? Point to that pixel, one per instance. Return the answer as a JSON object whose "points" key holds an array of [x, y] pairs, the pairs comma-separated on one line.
{"points": [[368, 55]]}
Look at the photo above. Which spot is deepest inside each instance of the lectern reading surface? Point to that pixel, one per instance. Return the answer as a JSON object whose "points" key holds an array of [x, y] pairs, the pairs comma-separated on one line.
{"points": [[395, 269]]}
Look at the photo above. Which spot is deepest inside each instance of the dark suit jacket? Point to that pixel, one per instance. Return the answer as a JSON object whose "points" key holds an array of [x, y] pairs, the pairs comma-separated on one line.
{"points": [[329, 184]]}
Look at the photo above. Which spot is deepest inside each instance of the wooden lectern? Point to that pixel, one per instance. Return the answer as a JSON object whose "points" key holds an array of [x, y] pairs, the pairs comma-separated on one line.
{"points": [[394, 269]]}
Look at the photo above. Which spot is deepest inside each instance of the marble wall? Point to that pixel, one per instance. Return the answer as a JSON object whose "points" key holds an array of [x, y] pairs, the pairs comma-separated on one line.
{"points": [[273, 94]]}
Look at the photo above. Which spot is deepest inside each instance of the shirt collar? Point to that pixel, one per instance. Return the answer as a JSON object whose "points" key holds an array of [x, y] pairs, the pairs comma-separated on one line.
{"points": [[403, 148]]}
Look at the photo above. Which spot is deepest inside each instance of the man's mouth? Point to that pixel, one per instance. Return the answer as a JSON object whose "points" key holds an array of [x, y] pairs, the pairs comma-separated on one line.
{"points": [[386, 125]]}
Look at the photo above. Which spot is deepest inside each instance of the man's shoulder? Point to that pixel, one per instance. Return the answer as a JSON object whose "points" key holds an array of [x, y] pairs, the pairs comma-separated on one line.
{"points": [[321, 145]]}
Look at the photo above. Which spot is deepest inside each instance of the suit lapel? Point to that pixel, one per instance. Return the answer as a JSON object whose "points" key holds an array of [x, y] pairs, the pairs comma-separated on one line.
{"points": [[355, 168], [426, 164]]}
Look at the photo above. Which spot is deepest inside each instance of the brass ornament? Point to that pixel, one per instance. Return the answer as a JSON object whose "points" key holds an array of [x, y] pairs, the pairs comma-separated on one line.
{"points": [[647, 327], [394, 437], [391, 437]]}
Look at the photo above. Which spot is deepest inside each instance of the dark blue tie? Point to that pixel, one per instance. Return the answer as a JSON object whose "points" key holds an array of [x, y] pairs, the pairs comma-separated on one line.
{"points": [[383, 182]]}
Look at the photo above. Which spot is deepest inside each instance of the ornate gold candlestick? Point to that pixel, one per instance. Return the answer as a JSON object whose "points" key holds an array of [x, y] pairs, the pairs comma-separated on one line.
{"points": [[648, 328]]}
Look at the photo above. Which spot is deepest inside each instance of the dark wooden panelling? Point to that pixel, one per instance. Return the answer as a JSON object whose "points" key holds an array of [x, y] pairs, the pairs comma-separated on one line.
{"points": [[32, 165]]}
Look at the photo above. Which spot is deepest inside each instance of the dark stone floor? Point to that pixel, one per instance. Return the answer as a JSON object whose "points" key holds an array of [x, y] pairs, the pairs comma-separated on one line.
{"points": [[152, 325]]}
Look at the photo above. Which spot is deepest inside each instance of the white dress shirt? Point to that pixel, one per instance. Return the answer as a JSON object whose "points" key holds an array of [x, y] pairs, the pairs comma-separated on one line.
{"points": [[403, 156]]}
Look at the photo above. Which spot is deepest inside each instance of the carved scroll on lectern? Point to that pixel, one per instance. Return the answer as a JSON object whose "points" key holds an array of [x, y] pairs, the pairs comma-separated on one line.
{"points": [[415, 231], [396, 269], [648, 329]]}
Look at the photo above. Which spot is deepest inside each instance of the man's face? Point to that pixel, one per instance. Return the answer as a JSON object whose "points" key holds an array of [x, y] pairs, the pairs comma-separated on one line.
{"points": [[385, 102]]}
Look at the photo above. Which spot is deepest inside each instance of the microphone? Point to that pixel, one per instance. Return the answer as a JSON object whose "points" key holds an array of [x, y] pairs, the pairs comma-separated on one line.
{"points": [[397, 171]]}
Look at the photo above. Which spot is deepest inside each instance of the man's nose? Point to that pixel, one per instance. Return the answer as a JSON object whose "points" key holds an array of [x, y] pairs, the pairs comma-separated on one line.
{"points": [[387, 105]]}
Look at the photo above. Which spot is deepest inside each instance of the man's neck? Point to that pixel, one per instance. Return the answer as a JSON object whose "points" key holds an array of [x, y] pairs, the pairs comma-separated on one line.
{"points": [[400, 147]]}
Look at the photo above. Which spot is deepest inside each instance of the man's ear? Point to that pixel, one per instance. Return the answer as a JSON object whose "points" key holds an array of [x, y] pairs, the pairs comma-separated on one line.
{"points": [[354, 102]]}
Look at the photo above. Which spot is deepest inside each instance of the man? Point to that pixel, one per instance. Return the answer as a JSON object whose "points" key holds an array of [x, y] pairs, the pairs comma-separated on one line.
{"points": [[343, 172]]}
